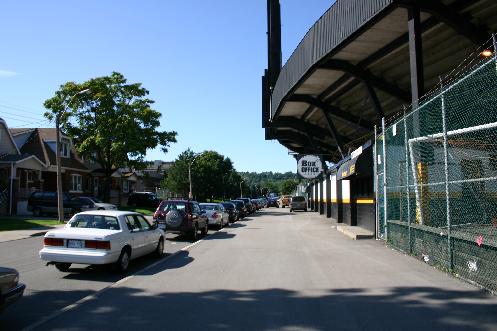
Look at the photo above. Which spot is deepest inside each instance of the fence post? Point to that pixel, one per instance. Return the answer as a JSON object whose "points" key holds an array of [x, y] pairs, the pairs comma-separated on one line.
{"points": [[494, 40], [375, 174], [384, 178], [446, 165], [407, 183]]}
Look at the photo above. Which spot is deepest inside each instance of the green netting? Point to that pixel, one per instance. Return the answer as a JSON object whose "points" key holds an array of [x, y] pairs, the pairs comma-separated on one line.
{"points": [[441, 182]]}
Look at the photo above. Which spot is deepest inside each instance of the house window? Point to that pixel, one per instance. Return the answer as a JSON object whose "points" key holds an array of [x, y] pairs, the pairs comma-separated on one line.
{"points": [[64, 148], [125, 186], [76, 183]]}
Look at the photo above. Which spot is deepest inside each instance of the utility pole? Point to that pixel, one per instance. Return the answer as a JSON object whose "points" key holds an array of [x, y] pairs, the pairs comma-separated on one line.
{"points": [[190, 194], [60, 193], [241, 192]]}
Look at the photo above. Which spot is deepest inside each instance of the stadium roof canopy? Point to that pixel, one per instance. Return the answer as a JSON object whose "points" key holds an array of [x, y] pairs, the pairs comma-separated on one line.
{"points": [[362, 61]]}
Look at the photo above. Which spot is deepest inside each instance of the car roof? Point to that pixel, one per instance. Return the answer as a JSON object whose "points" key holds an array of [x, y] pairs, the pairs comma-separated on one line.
{"points": [[115, 213], [208, 203], [178, 200]]}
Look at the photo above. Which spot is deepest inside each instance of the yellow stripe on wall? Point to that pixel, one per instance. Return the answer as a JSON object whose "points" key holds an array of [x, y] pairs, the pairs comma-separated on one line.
{"points": [[365, 201]]}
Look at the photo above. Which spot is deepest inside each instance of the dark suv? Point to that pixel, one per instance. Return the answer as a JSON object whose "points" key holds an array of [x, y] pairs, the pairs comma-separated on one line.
{"points": [[181, 216], [143, 199], [240, 206], [248, 203], [45, 202]]}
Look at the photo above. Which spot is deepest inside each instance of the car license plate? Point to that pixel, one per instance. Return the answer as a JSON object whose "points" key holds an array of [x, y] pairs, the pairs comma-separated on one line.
{"points": [[75, 243]]}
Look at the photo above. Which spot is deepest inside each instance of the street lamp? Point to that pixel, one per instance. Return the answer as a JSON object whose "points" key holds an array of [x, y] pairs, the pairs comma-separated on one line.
{"points": [[241, 192], [190, 195], [60, 206]]}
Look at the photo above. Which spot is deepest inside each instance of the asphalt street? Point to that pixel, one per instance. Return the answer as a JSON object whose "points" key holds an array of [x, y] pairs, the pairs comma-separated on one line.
{"points": [[49, 290], [274, 271]]}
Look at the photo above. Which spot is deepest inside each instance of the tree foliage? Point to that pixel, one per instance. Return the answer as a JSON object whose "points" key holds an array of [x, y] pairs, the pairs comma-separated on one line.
{"points": [[213, 176], [112, 124]]}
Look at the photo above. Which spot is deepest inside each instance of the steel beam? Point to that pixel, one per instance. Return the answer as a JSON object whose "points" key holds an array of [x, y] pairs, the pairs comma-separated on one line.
{"points": [[303, 127], [332, 110], [415, 54], [451, 17], [364, 75], [374, 101]]}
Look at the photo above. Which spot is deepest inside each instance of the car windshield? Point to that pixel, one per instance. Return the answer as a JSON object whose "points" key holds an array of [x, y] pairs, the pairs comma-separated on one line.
{"points": [[209, 207], [298, 199], [228, 205], [96, 200], [94, 222], [167, 206]]}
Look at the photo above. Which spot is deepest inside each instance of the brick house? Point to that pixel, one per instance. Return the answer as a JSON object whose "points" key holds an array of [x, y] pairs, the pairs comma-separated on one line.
{"points": [[20, 174], [40, 143]]}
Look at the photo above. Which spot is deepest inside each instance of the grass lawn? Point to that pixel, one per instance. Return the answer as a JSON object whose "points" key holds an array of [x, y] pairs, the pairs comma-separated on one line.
{"points": [[23, 223], [142, 210]]}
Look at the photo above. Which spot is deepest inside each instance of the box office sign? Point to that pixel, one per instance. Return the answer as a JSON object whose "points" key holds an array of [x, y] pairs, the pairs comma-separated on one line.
{"points": [[309, 166]]}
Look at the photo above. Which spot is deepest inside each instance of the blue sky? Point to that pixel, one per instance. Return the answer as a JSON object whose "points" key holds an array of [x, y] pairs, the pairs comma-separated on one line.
{"points": [[201, 61]]}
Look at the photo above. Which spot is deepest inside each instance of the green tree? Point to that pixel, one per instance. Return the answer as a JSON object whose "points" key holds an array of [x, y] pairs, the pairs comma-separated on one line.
{"points": [[176, 179], [112, 124], [213, 176], [289, 186]]}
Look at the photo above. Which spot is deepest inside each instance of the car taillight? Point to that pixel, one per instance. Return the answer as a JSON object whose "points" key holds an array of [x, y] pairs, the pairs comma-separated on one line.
{"points": [[97, 244], [47, 241]]}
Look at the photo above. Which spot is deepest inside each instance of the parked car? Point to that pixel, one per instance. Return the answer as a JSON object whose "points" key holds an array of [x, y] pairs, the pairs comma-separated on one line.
{"points": [[95, 204], [272, 201], [102, 237], [232, 211], [143, 199], [45, 202], [298, 203], [10, 288], [255, 202], [248, 204], [181, 216], [284, 201], [216, 214], [240, 206]]}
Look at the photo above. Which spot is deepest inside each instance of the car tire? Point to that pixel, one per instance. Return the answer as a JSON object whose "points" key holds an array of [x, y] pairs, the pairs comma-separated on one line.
{"points": [[159, 250], [64, 267], [36, 212], [101, 208], [205, 229], [291, 210], [305, 210], [194, 233], [122, 263]]}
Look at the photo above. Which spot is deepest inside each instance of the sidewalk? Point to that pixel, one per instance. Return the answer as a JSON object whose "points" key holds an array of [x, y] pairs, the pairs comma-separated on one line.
{"points": [[24, 234]]}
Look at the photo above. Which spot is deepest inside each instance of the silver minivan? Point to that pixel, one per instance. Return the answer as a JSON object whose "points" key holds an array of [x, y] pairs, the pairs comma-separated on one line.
{"points": [[298, 203]]}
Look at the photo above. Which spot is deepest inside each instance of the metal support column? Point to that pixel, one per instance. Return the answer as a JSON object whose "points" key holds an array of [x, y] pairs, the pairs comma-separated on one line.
{"points": [[375, 174], [416, 62], [446, 164], [407, 183], [384, 178]]}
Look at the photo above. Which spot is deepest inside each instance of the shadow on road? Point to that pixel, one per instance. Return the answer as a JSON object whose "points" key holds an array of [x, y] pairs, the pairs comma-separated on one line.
{"points": [[400, 308]]}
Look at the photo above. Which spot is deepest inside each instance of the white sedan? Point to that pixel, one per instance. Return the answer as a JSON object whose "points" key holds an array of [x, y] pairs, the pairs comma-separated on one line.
{"points": [[102, 237]]}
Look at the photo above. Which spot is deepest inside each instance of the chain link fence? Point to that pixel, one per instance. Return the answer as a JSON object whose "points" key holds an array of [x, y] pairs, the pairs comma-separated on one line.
{"points": [[436, 175]]}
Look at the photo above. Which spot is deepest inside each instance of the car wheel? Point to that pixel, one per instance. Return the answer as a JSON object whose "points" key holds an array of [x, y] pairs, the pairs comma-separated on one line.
{"points": [[101, 208], [305, 210], [123, 260], [195, 233], [205, 229], [159, 251], [36, 212], [64, 267], [291, 210]]}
